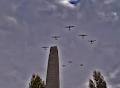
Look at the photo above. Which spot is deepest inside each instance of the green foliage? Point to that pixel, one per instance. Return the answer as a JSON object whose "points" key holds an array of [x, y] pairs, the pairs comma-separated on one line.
{"points": [[98, 81], [36, 82]]}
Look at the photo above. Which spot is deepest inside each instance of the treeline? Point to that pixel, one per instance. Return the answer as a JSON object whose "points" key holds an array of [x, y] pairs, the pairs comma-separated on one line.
{"points": [[96, 82]]}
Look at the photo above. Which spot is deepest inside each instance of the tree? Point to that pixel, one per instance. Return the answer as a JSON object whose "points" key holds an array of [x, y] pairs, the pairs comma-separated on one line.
{"points": [[36, 82], [98, 81]]}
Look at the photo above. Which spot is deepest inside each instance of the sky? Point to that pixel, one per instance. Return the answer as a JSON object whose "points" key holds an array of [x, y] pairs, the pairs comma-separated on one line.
{"points": [[28, 25]]}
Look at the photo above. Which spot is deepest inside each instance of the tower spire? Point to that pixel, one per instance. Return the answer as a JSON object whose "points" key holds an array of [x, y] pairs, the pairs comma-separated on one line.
{"points": [[52, 79]]}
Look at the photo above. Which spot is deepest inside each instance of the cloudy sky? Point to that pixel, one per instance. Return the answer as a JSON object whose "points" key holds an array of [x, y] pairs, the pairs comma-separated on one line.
{"points": [[28, 25]]}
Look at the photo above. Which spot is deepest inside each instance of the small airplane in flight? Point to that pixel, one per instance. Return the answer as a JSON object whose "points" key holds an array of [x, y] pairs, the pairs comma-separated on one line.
{"points": [[63, 65], [69, 27], [56, 37], [92, 41], [82, 35], [69, 61], [45, 47], [81, 64]]}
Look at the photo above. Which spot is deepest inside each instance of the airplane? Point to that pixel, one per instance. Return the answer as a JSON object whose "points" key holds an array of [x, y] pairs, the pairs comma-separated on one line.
{"points": [[63, 65], [82, 35], [69, 27], [74, 2], [92, 41], [69, 61], [44, 47], [81, 64], [56, 37]]}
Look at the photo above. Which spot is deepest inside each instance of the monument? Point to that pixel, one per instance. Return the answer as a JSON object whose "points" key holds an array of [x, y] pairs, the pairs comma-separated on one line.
{"points": [[52, 78]]}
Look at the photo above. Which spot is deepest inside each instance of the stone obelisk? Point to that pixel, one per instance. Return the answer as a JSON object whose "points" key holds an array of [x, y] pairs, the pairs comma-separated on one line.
{"points": [[52, 78]]}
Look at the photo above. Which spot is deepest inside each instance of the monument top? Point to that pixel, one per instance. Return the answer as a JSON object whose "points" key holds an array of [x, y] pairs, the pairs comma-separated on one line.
{"points": [[52, 77], [53, 50]]}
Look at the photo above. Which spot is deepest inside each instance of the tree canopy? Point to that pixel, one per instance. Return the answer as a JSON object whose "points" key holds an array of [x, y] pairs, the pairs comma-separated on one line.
{"points": [[36, 82], [97, 81]]}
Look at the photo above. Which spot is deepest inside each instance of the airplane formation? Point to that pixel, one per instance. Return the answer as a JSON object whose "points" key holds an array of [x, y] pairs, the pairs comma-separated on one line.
{"points": [[80, 35], [70, 62], [56, 37], [83, 36]]}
